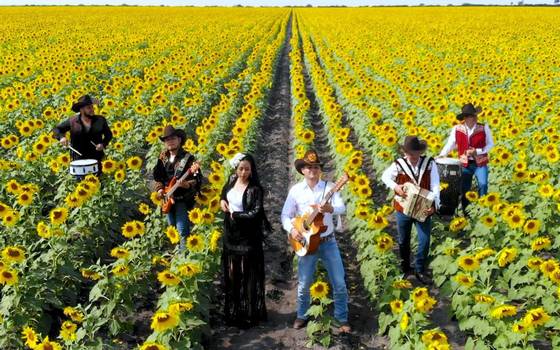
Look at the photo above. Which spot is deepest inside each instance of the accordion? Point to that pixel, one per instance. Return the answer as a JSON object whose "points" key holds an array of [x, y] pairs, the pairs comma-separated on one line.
{"points": [[417, 201]]}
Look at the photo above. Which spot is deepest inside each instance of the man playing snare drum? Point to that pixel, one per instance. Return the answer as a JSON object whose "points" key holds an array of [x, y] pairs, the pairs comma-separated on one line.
{"points": [[473, 141], [89, 133], [421, 171]]}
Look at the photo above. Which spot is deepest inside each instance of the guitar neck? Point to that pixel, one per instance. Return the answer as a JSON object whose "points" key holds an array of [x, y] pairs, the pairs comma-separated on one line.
{"points": [[187, 173]]}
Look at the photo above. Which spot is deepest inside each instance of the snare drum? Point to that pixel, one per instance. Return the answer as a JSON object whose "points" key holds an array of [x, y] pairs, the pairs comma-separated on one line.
{"points": [[84, 167], [449, 170]]}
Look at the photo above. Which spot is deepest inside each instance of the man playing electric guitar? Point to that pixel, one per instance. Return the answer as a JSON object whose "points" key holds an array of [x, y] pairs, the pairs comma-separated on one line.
{"points": [[172, 164], [301, 197]]}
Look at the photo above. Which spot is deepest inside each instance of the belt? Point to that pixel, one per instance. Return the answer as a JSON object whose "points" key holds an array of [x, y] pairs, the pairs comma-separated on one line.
{"points": [[327, 238]]}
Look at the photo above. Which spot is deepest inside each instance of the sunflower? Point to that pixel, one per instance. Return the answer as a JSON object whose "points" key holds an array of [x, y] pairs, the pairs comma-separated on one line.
{"points": [[546, 191], [506, 256], [207, 216], [129, 230], [43, 230], [319, 290], [195, 216], [468, 263], [534, 263], [377, 222], [215, 240], [484, 253], [488, 221], [120, 270], [433, 337], [516, 219], [68, 331], [134, 163], [120, 253], [180, 307], [90, 274], [13, 255], [471, 196], [154, 198], [3, 209], [464, 280], [168, 278], [396, 306], [385, 242], [10, 218], [503, 311], [173, 235], [403, 324], [535, 317], [425, 305], [195, 243], [58, 215], [144, 208], [25, 198], [549, 266], [216, 178], [519, 327], [484, 299], [13, 187], [108, 166], [30, 337], [162, 321], [120, 175], [420, 293], [458, 223], [153, 346], [532, 226], [541, 243], [8, 276], [46, 344], [189, 269]]}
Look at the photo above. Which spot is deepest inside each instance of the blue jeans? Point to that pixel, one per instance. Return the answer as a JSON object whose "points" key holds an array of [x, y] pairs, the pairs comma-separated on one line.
{"points": [[481, 174], [330, 256], [179, 217], [404, 228]]}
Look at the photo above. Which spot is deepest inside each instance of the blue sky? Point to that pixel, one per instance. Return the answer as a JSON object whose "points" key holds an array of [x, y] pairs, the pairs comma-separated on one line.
{"points": [[261, 2]]}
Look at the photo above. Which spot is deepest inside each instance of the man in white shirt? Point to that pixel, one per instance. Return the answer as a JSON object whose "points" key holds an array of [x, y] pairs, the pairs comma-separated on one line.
{"points": [[473, 141], [422, 171], [301, 197]]}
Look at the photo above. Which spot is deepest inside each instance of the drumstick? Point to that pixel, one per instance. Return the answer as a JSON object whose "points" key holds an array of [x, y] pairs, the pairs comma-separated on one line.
{"points": [[93, 143], [74, 150]]}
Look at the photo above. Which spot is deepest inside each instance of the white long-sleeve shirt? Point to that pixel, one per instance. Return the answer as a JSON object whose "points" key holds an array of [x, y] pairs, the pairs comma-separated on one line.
{"points": [[301, 197], [390, 176], [452, 142]]}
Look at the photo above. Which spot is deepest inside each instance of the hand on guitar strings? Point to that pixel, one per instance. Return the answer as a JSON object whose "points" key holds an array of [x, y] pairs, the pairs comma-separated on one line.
{"points": [[187, 183], [296, 235], [326, 208]]}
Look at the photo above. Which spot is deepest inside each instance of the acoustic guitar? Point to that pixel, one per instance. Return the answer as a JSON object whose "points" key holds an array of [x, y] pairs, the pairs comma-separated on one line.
{"points": [[167, 200], [310, 224]]}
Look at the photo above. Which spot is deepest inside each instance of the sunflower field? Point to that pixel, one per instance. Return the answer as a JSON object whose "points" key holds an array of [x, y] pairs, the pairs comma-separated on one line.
{"points": [[82, 262]]}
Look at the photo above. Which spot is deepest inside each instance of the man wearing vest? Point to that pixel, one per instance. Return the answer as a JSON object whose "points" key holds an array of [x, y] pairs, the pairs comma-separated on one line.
{"points": [[421, 171], [175, 161], [473, 141]]}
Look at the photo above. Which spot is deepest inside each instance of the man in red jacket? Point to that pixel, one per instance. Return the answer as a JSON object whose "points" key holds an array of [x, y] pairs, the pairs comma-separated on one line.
{"points": [[473, 141]]}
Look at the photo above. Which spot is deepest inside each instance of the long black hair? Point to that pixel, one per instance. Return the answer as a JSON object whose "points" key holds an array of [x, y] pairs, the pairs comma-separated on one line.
{"points": [[254, 180]]}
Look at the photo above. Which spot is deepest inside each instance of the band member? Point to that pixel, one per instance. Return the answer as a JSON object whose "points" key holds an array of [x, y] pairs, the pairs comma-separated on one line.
{"points": [[89, 133], [174, 162], [422, 171], [473, 142], [301, 197], [242, 255]]}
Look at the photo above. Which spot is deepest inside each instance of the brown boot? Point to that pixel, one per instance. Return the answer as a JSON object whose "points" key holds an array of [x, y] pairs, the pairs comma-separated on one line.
{"points": [[299, 323]]}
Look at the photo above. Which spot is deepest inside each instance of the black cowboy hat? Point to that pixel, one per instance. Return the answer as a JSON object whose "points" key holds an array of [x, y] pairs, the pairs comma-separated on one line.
{"points": [[468, 110], [169, 131], [414, 144], [309, 158], [83, 101]]}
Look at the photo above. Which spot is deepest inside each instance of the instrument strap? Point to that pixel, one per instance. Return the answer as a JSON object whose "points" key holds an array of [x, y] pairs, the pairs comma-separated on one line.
{"points": [[407, 168], [182, 165]]}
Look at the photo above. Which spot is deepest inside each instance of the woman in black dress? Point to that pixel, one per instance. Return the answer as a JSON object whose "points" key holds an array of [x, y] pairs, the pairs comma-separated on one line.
{"points": [[242, 257]]}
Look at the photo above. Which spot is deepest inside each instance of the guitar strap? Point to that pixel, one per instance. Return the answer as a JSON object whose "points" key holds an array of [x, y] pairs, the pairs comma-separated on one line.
{"points": [[182, 165]]}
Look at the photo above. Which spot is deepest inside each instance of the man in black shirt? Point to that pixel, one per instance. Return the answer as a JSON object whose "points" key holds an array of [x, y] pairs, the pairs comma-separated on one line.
{"points": [[89, 133], [174, 162]]}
